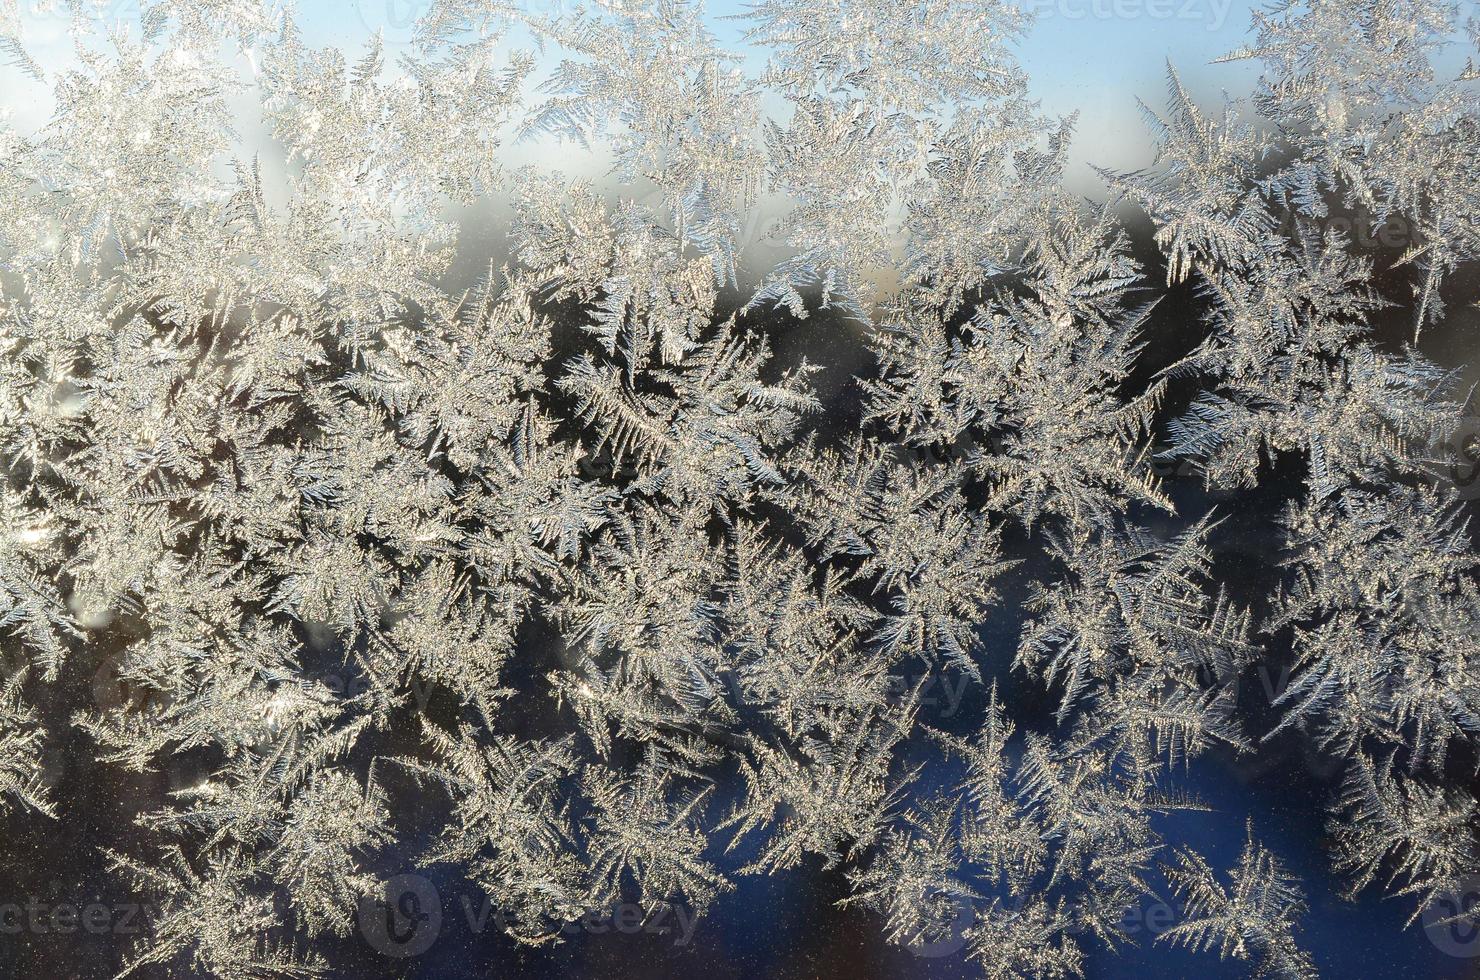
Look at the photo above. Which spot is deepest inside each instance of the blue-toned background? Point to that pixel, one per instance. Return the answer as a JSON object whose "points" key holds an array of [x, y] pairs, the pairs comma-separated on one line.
{"points": [[1091, 56]]}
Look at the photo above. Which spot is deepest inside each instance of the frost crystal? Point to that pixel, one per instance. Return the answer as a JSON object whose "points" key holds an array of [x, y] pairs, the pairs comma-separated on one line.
{"points": [[616, 555]]}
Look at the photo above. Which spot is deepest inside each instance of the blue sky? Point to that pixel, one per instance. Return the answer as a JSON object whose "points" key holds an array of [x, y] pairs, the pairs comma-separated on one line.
{"points": [[1093, 56]]}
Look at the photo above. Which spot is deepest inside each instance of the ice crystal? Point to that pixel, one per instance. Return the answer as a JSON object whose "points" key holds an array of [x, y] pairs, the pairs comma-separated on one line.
{"points": [[553, 551]]}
